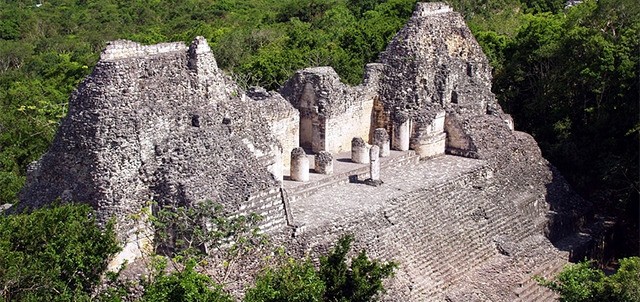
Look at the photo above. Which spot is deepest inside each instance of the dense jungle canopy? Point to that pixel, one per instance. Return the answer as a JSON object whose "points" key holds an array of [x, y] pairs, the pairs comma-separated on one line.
{"points": [[568, 75]]}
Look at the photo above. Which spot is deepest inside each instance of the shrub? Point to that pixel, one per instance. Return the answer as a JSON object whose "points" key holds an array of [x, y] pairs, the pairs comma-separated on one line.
{"points": [[53, 254], [584, 283], [334, 281], [296, 281], [361, 282], [186, 285]]}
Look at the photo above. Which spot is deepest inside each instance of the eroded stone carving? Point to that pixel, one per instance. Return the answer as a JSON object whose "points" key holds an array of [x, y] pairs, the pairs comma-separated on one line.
{"points": [[381, 139], [323, 163], [359, 151]]}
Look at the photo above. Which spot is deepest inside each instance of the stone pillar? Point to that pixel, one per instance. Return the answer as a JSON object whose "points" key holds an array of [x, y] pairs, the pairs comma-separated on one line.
{"points": [[276, 169], [401, 134], [324, 163], [359, 152], [299, 165], [374, 167], [381, 139], [429, 139]]}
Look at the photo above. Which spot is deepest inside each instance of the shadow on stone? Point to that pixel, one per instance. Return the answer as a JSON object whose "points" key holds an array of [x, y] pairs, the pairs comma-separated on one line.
{"points": [[344, 160], [571, 225], [373, 183]]}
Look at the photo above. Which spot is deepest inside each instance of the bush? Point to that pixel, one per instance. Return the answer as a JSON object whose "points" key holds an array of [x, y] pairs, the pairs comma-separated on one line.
{"points": [[53, 254], [361, 282], [296, 281], [584, 283], [334, 281], [185, 285]]}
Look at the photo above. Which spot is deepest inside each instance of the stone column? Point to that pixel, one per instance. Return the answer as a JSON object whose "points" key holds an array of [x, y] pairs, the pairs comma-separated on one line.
{"points": [[324, 163], [374, 167], [381, 139], [299, 165], [401, 133], [359, 152], [277, 169]]}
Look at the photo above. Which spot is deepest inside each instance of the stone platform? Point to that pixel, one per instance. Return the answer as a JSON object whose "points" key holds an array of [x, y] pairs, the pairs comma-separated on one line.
{"points": [[344, 171], [327, 203], [447, 221]]}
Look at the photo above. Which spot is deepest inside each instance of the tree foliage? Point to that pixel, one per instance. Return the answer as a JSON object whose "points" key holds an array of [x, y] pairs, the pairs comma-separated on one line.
{"points": [[571, 80], [295, 281], [53, 254], [186, 284], [361, 281], [583, 283]]}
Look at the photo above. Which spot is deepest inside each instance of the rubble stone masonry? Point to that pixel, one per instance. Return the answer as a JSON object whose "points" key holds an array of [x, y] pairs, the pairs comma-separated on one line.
{"points": [[465, 198]]}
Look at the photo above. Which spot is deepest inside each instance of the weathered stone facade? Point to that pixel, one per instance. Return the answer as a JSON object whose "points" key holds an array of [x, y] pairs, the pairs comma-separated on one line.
{"points": [[162, 123]]}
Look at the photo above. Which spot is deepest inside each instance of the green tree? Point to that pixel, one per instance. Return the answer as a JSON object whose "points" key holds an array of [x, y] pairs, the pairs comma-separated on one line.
{"points": [[53, 254], [360, 282], [296, 281], [583, 283]]}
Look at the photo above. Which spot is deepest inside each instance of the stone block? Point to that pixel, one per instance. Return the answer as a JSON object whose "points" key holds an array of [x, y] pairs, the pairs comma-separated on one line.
{"points": [[324, 163], [299, 165], [359, 151], [381, 139]]}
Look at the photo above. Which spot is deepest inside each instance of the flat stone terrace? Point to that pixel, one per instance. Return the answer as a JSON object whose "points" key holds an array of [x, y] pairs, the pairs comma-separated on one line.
{"points": [[343, 165], [328, 203]]}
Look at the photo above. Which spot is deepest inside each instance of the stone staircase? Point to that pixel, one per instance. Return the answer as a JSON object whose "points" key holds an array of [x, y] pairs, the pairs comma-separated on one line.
{"points": [[467, 243], [441, 230], [528, 290]]}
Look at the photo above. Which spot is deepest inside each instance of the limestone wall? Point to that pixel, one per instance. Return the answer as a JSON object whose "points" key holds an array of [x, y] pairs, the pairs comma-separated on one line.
{"points": [[332, 113], [283, 121], [160, 123], [287, 132], [342, 128], [269, 205]]}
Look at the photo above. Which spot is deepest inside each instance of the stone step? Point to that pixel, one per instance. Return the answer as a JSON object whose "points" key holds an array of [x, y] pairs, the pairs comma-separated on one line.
{"points": [[537, 293], [449, 265], [530, 290]]}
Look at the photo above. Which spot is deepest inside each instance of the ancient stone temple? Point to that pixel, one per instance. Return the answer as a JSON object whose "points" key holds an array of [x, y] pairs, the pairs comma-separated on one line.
{"points": [[467, 206]]}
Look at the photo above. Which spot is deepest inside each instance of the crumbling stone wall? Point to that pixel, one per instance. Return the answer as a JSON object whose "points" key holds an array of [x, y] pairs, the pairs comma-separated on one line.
{"points": [[162, 123], [435, 64], [331, 112], [283, 120], [436, 59]]}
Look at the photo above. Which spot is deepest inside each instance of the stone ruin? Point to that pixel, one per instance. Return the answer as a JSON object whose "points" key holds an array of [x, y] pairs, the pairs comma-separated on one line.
{"points": [[469, 207]]}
